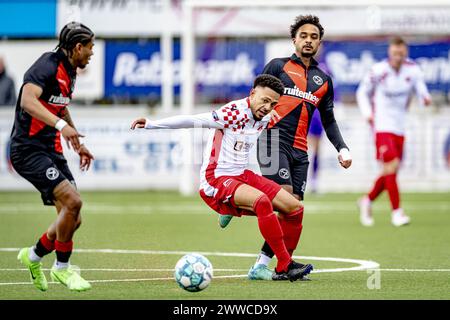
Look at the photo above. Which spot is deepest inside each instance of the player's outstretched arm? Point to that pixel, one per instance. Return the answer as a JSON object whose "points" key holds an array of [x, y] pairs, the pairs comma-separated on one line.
{"points": [[30, 103], [202, 120]]}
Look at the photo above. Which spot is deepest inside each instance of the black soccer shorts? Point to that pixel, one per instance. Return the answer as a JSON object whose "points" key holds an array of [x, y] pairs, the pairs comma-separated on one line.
{"points": [[45, 170], [283, 164]]}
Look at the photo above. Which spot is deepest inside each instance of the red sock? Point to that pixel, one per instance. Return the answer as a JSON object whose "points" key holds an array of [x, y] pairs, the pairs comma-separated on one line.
{"points": [[377, 188], [44, 246], [271, 231], [63, 250], [291, 224], [392, 188], [47, 243]]}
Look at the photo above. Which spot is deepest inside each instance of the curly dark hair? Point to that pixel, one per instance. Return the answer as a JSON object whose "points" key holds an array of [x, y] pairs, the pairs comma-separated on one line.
{"points": [[269, 81], [308, 19]]}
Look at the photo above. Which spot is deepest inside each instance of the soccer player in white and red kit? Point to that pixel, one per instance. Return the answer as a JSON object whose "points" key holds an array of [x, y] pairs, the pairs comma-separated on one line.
{"points": [[228, 187], [383, 98]]}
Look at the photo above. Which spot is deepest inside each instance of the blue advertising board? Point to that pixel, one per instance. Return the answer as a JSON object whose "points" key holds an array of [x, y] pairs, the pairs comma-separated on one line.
{"points": [[349, 61], [133, 68], [28, 19], [225, 69]]}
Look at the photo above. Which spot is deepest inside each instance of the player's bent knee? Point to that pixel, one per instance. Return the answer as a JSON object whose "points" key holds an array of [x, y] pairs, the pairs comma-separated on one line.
{"points": [[263, 205], [296, 215], [78, 224], [74, 204], [295, 206]]}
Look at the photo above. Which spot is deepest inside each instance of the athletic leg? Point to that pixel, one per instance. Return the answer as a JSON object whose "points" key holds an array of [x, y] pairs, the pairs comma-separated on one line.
{"points": [[69, 203], [290, 217], [283, 177], [247, 197]]}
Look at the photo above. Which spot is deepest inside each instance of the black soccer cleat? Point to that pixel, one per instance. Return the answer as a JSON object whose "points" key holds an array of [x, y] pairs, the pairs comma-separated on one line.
{"points": [[295, 272]]}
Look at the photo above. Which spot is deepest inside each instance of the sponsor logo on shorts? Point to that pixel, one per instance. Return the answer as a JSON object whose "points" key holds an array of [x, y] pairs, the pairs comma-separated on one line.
{"points": [[318, 80], [303, 186], [227, 183], [283, 173], [52, 173], [227, 199]]}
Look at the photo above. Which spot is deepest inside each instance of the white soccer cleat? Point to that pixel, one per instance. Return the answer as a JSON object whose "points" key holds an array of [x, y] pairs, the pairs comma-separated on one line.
{"points": [[365, 212], [399, 218]]}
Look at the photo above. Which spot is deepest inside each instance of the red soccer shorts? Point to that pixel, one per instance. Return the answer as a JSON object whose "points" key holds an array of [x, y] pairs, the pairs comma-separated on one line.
{"points": [[389, 146], [223, 201]]}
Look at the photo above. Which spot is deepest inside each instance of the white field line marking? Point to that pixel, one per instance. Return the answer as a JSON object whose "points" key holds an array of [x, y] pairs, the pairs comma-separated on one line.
{"points": [[361, 264], [215, 277], [217, 270], [198, 208], [123, 280], [123, 270], [415, 270]]}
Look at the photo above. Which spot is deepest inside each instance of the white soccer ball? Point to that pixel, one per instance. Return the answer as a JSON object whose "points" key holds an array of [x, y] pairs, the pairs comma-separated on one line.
{"points": [[193, 272]]}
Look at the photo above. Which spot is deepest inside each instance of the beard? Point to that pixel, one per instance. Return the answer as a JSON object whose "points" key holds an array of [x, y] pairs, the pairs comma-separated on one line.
{"points": [[308, 54]]}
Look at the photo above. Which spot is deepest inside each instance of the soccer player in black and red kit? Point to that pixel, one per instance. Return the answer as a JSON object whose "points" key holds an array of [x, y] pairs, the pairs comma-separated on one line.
{"points": [[41, 118], [282, 155]]}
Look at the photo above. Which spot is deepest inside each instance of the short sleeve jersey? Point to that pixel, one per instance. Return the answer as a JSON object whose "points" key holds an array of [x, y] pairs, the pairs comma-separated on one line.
{"points": [[56, 76]]}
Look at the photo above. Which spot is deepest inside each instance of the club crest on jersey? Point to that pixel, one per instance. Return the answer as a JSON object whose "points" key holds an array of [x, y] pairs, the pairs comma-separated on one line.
{"points": [[318, 80]]}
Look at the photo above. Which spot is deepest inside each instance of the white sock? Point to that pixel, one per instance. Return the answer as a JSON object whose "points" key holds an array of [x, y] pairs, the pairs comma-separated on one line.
{"points": [[33, 256], [61, 265], [366, 201], [263, 259]]}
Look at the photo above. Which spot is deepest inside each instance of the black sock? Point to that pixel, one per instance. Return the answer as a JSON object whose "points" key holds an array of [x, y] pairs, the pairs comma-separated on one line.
{"points": [[63, 251], [63, 256], [44, 246], [267, 250]]}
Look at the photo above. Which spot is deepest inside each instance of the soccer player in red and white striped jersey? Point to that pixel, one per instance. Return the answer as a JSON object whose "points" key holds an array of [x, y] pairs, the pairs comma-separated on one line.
{"points": [[229, 188]]}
